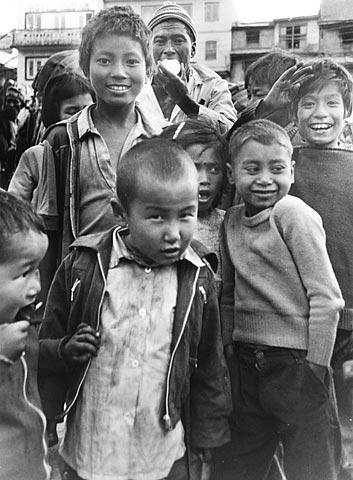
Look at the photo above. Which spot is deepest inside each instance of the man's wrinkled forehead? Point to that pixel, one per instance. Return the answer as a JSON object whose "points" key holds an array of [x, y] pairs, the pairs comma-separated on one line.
{"points": [[171, 25]]}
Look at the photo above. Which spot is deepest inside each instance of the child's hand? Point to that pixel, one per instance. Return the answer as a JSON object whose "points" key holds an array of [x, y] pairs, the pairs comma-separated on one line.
{"points": [[288, 82], [13, 338], [82, 346]]}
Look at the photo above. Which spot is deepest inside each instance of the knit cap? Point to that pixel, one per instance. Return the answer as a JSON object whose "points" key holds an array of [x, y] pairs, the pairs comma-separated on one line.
{"points": [[171, 10]]}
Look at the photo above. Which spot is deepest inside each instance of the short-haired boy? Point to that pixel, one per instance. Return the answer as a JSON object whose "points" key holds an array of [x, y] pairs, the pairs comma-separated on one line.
{"points": [[279, 308], [324, 173], [131, 336], [23, 244]]}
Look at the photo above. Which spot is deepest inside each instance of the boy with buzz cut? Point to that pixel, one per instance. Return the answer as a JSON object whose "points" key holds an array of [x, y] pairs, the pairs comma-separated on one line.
{"points": [[279, 308], [23, 244], [131, 338]]}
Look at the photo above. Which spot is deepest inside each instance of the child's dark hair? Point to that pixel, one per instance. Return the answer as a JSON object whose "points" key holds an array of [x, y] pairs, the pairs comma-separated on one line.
{"points": [[59, 88], [201, 131], [117, 20], [266, 70], [157, 158], [324, 71], [261, 131], [16, 216]]}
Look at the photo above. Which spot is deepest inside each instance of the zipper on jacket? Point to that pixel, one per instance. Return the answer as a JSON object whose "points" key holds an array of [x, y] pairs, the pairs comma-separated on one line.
{"points": [[73, 288], [166, 418], [68, 408], [39, 412], [203, 293]]}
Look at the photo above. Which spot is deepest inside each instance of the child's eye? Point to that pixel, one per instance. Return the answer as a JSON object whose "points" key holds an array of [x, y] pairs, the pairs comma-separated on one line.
{"points": [[214, 170], [103, 61], [156, 217], [252, 170], [133, 62], [308, 104]]}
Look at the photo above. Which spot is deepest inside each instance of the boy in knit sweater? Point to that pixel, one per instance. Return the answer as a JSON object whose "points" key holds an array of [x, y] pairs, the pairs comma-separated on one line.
{"points": [[324, 172], [280, 306]]}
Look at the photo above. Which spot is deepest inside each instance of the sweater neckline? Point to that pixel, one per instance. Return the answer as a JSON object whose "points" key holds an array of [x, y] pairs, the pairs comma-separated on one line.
{"points": [[257, 219]]}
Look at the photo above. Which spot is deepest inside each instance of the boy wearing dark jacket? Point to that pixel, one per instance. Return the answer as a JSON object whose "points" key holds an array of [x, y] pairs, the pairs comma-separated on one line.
{"points": [[132, 332]]}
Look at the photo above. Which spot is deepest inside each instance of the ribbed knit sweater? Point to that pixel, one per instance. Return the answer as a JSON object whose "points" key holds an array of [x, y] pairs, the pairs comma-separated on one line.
{"points": [[279, 288], [324, 180]]}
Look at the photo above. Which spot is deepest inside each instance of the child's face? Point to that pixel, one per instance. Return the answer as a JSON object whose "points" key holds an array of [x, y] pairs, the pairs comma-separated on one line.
{"points": [[117, 70], [320, 116], [162, 218], [70, 106], [19, 276], [257, 91], [262, 175], [209, 168]]}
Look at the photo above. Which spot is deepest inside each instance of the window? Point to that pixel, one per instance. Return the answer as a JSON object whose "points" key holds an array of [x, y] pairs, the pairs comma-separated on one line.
{"points": [[211, 11], [33, 65], [346, 35], [293, 37], [57, 20], [252, 37], [211, 50]]}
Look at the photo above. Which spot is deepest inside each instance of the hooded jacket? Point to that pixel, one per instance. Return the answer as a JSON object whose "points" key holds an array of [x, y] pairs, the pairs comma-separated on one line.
{"points": [[197, 385]]}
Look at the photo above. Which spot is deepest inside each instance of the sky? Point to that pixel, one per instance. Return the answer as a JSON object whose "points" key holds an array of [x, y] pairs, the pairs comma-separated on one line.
{"points": [[248, 10]]}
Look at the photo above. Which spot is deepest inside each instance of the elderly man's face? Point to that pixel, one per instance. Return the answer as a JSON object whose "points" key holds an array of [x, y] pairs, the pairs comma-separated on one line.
{"points": [[171, 39]]}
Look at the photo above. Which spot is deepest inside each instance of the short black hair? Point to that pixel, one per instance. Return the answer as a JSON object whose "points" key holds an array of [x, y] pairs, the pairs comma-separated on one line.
{"points": [[117, 20], [157, 158], [324, 71], [201, 131], [16, 216], [265, 132], [267, 69], [59, 88]]}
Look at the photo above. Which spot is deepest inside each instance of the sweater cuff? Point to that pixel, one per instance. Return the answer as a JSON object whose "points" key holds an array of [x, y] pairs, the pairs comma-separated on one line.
{"points": [[346, 319]]}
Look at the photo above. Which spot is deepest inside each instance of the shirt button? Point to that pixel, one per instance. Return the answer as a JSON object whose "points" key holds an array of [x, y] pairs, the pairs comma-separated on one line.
{"points": [[142, 312], [135, 363], [260, 355], [148, 270]]}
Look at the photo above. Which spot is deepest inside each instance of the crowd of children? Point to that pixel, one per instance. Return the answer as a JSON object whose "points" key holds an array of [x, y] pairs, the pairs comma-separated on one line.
{"points": [[188, 333]]}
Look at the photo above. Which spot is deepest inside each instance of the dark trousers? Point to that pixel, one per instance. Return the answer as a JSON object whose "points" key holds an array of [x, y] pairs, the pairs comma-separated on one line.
{"points": [[277, 397], [179, 471]]}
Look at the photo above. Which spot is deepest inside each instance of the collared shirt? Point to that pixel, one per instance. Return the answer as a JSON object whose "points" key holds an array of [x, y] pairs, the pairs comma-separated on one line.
{"points": [[97, 176], [116, 431]]}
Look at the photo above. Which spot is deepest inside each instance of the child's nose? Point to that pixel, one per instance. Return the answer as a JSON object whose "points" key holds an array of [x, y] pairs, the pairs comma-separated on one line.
{"points": [[320, 110], [172, 234], [265, 178], [118, 70], [35, 285], [203, 178]]}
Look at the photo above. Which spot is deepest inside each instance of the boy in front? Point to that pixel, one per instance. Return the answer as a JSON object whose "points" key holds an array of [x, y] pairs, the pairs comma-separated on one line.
{"points": [[131, 336], [279, 307], [23, 244]]}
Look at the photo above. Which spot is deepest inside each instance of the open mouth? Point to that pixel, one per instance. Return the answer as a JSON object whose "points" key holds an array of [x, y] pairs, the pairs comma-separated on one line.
{"points": [[264, 193], [204, 195], [321, 127], [118, 88], [171, 252]]}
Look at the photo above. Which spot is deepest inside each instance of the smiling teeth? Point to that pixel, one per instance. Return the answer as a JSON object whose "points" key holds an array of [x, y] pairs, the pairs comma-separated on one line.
{"points": [[118, 88], [321, 126]]}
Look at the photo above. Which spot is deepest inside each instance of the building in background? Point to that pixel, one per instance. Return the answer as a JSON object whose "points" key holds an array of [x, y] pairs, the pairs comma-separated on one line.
{"points": [[46, 28], [299, 35]]}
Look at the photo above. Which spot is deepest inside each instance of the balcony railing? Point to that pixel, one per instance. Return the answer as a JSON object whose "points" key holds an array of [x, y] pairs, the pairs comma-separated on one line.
{"points": [[30, 38]]}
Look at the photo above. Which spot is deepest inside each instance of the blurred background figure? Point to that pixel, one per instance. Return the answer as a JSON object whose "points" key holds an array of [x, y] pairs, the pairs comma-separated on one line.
{"points": [[13, 103]]}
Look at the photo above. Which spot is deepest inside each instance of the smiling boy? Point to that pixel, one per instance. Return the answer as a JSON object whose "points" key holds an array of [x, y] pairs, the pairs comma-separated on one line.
{"points": [[131, 338], [324, 172], [279, 308]]}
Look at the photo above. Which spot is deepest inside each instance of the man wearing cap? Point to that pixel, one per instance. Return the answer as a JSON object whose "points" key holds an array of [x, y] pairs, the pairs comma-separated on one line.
{"points": [[179, 88]]}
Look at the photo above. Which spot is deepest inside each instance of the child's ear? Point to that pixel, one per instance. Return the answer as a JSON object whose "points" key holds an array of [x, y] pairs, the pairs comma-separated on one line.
{"points": [[230, 174], [118, 209], [292, 171]]}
